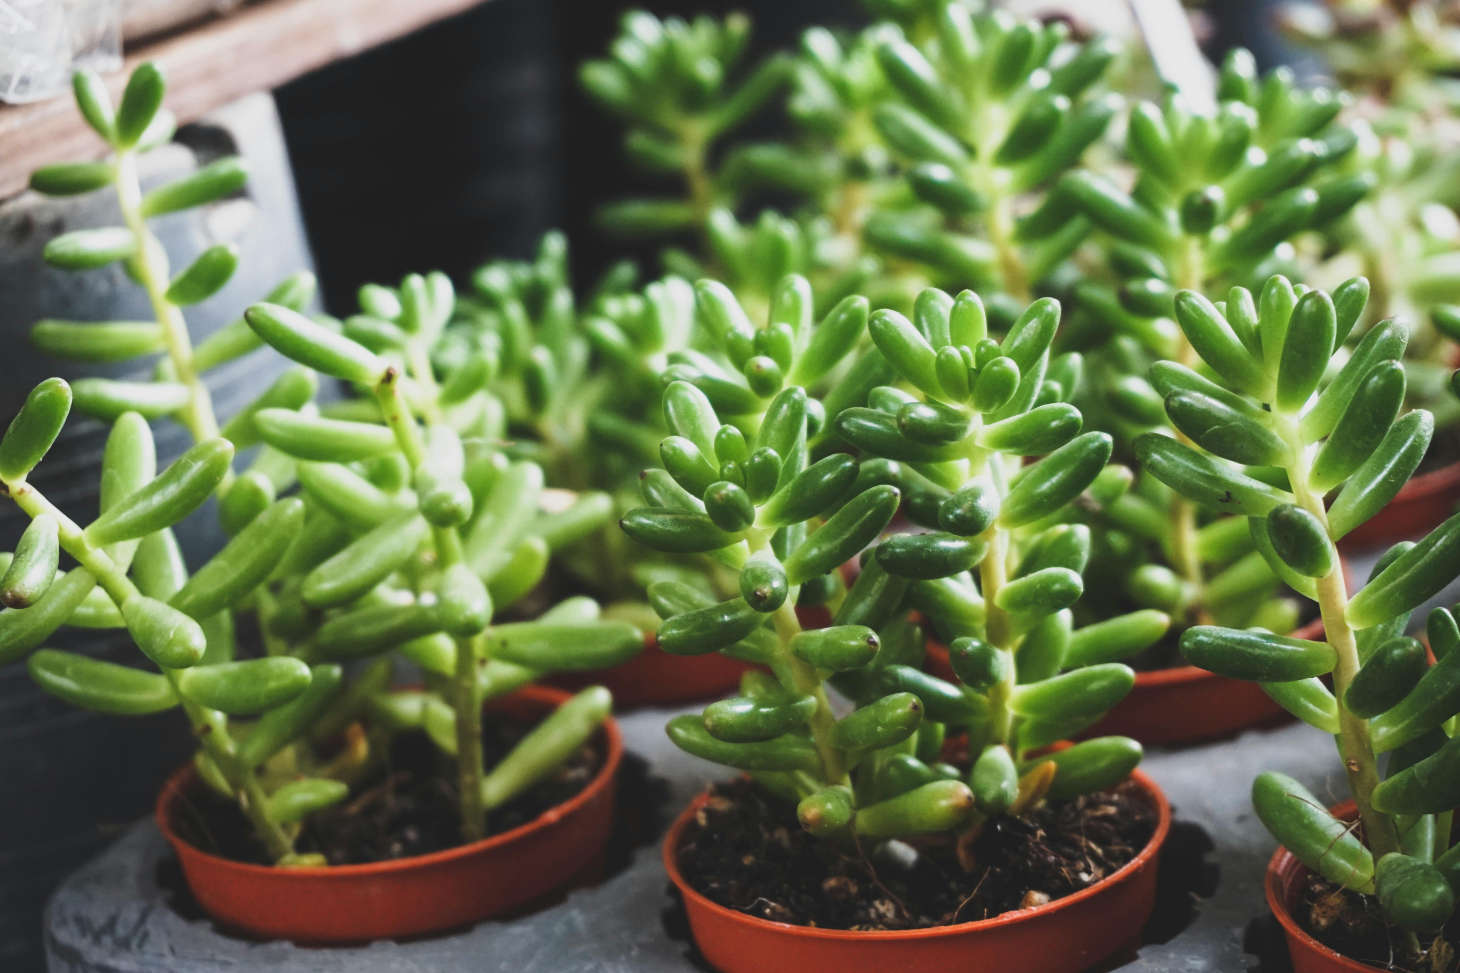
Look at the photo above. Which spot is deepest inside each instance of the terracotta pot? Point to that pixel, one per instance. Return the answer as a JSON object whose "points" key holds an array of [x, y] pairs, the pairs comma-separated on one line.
{"points": [[409, 896], [1065, 936], [1285, 878], [655, 678], [1421, 504]]}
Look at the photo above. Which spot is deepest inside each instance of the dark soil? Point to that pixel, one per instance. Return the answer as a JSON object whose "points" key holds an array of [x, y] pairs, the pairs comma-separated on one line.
{"points": [[750, 854], [1350, 923], [407, 806]]}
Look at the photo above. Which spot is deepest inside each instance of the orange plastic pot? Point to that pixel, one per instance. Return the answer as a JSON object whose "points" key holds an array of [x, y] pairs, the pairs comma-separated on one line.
{"points": [[1064, 936], [409, 896], [1420, 505], [656, 678], [1285, 878]]}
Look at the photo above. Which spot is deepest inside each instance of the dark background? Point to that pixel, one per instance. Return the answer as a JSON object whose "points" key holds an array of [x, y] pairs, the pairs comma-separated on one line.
{"points": [[470, 139]]}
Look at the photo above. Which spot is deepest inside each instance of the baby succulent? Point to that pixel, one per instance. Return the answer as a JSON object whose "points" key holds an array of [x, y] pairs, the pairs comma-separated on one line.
{"points": [[768, 495], [986, 114], [743, 490], [1271, 156], [1403, 238], [1269, 172], [1286, 423]]}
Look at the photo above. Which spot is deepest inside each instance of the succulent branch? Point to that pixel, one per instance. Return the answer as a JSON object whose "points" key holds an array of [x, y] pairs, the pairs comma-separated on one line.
{"points": [[1276, 434]]}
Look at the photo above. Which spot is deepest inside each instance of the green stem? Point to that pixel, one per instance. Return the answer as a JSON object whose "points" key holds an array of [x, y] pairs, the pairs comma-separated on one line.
{"points": [[1354, 743], [150, 265], [470, 652], [1190, 275], [470, 769], [1001, 235], [210, 726], [696, 172], [806, 682], [993, 575]]}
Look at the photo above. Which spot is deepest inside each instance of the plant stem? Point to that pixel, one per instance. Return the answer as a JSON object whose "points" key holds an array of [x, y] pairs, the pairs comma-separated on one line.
{"points": [[1190, 275], [1001, 235], [993, 574], [469, 760], [1354, 743], [805, 682], [150, 264], [470, 652], [696, 174], [210, 726]]}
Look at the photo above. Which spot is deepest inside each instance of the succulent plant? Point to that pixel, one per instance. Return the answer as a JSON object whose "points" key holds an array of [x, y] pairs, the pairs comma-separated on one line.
{"points": [[1277, 432], [1271, 172], [986, 117], [401, 535], [749, 493], [681, 86], [422, 558]]}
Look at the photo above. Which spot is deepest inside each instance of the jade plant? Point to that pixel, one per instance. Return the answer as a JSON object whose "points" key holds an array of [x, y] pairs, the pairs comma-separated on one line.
{"points": [[773, 497], [1307, 443], [401, 536]]}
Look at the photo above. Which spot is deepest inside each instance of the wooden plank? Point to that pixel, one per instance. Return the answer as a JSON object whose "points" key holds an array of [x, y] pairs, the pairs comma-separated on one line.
{"points": [[257, 47], [142, 19]]}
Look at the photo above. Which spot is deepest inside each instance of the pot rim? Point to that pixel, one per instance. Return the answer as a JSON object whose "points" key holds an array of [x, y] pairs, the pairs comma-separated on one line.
{"points": [[1283, 862], [1435, 481], [670, 849], [173, 788]]}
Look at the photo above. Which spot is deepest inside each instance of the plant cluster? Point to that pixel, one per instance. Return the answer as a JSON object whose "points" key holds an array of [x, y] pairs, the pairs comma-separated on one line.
{"points": [[947, 145], [778, 498], [864, 419], [954, 145], [390, 524]]}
